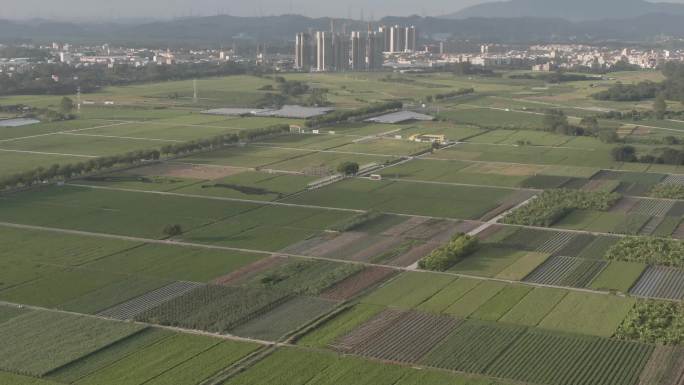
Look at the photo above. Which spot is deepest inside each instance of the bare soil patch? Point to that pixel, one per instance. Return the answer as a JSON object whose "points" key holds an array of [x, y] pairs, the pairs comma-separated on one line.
{"points": [[188, 171], [357, 283], [246, 272]]}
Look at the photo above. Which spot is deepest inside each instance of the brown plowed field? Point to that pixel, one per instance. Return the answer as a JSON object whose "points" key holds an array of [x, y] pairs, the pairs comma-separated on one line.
{"points": [[337, 243], [413, 255], [179, 170], [405, 226], [246, 272], [357, 283]]}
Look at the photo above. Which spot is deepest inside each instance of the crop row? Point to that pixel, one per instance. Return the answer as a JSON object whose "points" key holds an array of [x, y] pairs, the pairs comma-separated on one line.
{"points": [[555, 359], [660, 282], [407, 339], [473, 346], [37, 342], [652, 207], [566, 271], [215, 308], [133, 308], [556, 243]]}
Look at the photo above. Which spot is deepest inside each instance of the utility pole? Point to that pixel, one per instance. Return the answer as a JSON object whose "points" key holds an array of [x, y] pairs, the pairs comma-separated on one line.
{"points": [[194, 87], [78, 99]]}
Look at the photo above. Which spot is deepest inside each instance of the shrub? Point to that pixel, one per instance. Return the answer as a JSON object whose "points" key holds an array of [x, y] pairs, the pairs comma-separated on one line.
{"points": [[552, 205], [654, 322], [653, 251], [448, 255], [348, 168], [173, 230], [667, 191]]}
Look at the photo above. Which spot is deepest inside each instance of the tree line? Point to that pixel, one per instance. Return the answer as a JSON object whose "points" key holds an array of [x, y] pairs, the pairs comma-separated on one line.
{"points": [[57, 172], [346, 115], [672, 88], [67, 79]]}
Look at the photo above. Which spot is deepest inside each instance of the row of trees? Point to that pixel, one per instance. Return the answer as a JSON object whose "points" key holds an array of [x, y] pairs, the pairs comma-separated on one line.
{"points": [[57, 172], [665, 155], [672, 88], [552, 205], [557, 122], [445, 257], [346, 115], [40, 80], [43, 175], [452, 94]]}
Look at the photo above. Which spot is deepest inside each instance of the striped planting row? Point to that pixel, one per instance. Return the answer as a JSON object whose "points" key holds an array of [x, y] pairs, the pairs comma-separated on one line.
{"points": [[674, 179], [556, 359], [652, 207], [660, 282], [566, 272], [398, 336], [133, 308], [555, 243]]}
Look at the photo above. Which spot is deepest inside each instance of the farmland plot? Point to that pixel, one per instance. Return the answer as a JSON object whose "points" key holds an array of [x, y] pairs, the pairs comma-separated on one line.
{"points": [[214, 308], [473, 346], [660, 282], [408, 290], [147, 363], [599, 247], [618, 276], [357, 283], [343, 323], [566, 272], [559, 359], [100, 359], [398, 336], [588, 313], [556, 243], [666, 367], [133, 308], [652, 207], [284, 318], [38, 342], [536, 305], [575, 246]]}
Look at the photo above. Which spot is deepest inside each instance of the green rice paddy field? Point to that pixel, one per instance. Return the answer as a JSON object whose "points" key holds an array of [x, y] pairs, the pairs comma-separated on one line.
{"points": [[187, 271]]}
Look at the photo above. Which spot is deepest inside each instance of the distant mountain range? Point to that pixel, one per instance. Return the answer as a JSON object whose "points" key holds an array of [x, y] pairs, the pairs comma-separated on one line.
{"points": [[221, 30], [573, 10]]}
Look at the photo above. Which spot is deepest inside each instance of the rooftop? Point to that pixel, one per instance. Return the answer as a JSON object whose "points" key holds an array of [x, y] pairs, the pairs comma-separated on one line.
{"points": [[400, 117]]}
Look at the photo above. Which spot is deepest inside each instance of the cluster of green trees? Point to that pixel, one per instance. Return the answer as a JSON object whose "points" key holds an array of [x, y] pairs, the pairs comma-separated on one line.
{"points": [[630, 92], [667, 191], [552, 205], [654, 322], [452, 94], [665, 155], [40, 79], [445, 257], [672, 88], [348, 168], [652, 251], [557, 122], [342, 116], [42, 175]]}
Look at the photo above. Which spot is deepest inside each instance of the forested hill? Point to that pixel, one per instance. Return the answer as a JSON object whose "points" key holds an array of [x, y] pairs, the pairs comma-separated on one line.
{"points": [[218, 30], [577, 10]]}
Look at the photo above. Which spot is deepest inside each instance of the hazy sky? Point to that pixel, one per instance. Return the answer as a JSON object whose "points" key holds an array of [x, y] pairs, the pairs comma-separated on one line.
{"points": [[109, 9]]}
